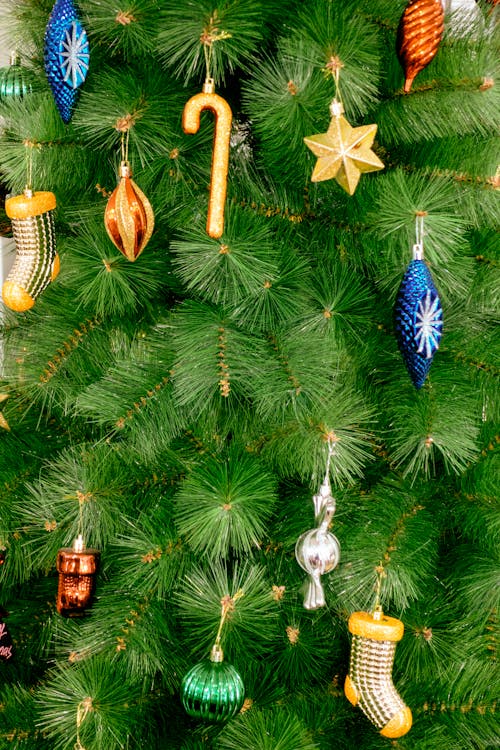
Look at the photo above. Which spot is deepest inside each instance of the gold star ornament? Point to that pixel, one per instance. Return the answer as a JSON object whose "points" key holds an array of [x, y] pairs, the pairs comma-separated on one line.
{"points": [[343, 152]]}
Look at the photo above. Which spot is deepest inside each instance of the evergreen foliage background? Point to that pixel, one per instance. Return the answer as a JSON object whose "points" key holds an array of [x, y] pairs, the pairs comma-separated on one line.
{"points": [[117, 411]]}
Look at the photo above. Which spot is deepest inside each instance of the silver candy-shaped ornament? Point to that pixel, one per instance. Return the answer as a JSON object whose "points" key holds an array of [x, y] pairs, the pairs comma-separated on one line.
{"points": [[318, 550]]}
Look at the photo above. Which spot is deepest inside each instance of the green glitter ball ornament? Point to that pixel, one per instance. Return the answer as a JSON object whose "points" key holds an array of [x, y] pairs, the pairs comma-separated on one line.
{"points": [[213, 690]]}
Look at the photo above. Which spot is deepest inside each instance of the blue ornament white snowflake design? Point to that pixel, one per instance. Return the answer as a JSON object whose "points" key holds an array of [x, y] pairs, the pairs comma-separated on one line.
{"points": [[66, 56], [428, 324], [418, 320], [74, 55]]}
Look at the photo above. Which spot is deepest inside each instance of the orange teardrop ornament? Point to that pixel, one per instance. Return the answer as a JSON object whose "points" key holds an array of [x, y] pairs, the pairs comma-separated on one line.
{"points": [[128, 217], [419, 34]]}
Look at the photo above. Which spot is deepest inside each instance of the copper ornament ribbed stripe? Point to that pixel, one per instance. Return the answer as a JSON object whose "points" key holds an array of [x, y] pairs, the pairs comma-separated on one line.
{"points": [[419, 34]]}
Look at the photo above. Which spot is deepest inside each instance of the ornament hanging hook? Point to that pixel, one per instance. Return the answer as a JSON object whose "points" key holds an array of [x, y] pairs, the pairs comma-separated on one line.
{"points": [[418, 247], [207, 50], [29, 146], [209, 36], [79, 539], [324, 502], [377, 607], [331, 447], [29, 169], [337, 83]]}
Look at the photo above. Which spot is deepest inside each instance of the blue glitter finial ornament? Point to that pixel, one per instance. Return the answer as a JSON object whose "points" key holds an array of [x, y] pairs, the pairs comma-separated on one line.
{"points": [[66, 56], [418, 318]]}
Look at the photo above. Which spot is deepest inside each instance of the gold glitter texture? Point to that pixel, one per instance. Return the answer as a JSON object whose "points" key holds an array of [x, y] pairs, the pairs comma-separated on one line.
{"points": [[208, 99], [344, 153]]}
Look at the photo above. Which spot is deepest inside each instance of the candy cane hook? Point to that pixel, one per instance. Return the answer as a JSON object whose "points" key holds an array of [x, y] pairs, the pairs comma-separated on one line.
{"points": [[208, 99]]}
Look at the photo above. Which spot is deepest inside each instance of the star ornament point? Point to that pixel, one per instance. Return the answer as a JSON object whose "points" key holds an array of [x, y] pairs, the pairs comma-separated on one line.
{"points": [[344, 153]]}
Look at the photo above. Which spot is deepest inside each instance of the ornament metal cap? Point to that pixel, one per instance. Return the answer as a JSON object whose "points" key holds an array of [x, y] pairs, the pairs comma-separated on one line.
{"points": [[125, 170], [209, 86], [418, 251], [78, 544], [336, 108], [216, 654]]}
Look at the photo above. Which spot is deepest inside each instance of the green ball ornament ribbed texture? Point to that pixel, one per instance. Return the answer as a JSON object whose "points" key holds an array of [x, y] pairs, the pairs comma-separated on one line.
{"points": [[212, 691], [16, 82]]}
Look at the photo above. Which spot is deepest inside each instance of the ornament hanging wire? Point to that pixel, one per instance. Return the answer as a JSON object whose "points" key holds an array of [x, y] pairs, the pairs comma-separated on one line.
{"points": [[208, 38], [227, 604], [29, 146], [124, 145], [418, 248], [82, 710], [79, 544], [377, 612], [336, 105]]}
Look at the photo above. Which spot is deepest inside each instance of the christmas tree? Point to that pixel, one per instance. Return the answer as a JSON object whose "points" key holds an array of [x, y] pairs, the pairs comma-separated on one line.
{"points": [[249, 422]]}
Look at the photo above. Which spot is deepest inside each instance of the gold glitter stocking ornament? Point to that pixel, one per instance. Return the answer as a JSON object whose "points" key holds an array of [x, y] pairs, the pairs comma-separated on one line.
{"points": [[36, 263], [369, 682]]}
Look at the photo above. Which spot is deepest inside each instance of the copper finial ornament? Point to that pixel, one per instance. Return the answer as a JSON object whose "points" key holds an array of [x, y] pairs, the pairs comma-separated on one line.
{"points": [[77, 568], [129, 217], [419, 34]]}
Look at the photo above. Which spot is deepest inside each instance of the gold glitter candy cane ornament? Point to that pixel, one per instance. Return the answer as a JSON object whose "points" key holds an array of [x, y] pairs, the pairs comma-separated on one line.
{"points": [[208, 99]]}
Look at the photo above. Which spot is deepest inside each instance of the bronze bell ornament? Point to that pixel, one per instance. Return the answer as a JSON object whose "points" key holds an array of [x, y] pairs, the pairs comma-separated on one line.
{"points": [[77, 568]]}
